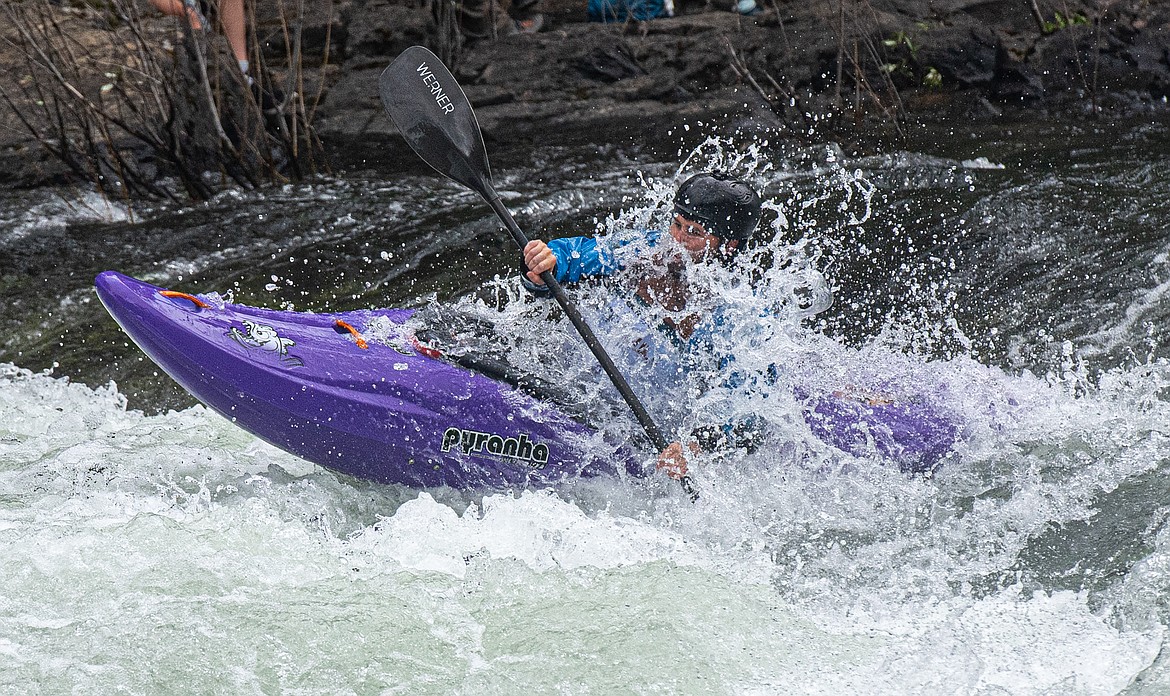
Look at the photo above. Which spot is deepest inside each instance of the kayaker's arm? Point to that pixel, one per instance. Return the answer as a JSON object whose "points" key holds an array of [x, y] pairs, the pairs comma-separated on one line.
{"points": [[571, 259]]}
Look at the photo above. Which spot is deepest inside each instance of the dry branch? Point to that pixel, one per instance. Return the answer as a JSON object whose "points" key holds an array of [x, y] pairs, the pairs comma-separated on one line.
{"points": [[149, 108]]}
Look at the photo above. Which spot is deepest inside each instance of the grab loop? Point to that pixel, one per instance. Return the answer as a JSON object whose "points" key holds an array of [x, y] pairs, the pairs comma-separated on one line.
{"points": [[184, 296], [343, 326]]}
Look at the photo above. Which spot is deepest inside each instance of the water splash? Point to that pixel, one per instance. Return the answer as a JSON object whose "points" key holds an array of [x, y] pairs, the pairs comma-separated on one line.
{"points": [[1033, 560], [853, 582]]}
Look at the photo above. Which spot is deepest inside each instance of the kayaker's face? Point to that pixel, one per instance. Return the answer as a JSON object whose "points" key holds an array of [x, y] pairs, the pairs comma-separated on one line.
{"points": [[692, 237]]}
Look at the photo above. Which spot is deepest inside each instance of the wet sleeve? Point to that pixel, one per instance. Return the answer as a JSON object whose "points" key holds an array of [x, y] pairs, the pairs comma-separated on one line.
{"points": [[581, 257], [577, 258]]}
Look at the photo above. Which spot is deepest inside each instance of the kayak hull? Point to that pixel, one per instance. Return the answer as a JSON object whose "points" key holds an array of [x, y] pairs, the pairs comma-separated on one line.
{"points": [[387, 410], [380, 411]]}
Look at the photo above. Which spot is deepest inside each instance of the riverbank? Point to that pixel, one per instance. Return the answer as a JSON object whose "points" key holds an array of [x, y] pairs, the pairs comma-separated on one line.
{"points": [[848, 72]]}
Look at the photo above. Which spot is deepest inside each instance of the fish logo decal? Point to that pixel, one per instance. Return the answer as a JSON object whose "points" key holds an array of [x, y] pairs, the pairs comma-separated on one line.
{"points": [[264, 338]]}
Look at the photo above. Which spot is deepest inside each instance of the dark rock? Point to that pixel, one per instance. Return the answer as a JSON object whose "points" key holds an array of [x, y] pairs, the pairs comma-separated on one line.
{"points": [[1015, 81], [27, 164], [489, 95], [354, 109], [790, 67], [1149, 54], [1012, 16], [964, 56], [649, 87], [609, 63], [381, 29], [323, 31], [1064, 60]]}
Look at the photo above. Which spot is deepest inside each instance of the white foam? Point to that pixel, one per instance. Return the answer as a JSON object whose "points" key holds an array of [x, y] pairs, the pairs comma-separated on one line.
{"points": [[536, 528], [48, 209], [780, 578], [981, 163]]}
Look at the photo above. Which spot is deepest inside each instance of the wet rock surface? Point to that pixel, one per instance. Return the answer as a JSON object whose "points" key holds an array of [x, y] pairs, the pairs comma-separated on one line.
{"points": [[822, 69]]}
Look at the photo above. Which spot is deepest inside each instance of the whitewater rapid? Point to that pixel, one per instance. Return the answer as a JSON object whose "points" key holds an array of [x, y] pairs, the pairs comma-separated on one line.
{"points": [[145, 549], [150, 553]]}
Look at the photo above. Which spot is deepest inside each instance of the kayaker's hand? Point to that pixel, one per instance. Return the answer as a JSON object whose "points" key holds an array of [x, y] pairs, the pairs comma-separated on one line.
{"points": [[672, 461], [539, 258]]}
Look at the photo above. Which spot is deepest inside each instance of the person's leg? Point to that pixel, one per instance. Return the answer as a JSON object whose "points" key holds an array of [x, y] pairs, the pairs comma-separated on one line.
{"points": [[231, 17], [177, 8]]}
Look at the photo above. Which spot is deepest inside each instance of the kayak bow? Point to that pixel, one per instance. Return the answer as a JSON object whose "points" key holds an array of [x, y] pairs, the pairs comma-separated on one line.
{"points": [[311, 384]]}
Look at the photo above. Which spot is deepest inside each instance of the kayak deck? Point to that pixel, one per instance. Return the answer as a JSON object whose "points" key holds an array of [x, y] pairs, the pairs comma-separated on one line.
{"points": [[312, 384], [356, 393]]}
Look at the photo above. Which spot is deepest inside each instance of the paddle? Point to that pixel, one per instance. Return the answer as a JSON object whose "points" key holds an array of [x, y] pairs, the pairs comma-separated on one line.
{"points": [[433, 114]]}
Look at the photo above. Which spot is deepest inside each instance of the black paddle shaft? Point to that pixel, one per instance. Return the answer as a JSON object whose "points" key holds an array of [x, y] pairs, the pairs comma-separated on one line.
{"points": [[558, 292], [432, 113]]}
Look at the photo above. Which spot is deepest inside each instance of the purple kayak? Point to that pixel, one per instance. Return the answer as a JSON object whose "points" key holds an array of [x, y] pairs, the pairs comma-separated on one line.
{"points": [[390, 411], [309, 384]]}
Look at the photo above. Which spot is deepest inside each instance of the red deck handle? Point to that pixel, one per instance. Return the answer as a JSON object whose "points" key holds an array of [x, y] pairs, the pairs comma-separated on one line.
{"points": [[182, 295], [361, 342]]}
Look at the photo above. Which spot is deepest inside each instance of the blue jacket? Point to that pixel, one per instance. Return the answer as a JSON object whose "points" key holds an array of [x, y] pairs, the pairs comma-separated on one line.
{"points": [[581, 258]]}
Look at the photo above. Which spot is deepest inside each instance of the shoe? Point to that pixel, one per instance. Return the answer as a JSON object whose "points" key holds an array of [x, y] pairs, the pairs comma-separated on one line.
{"points": [[748, 8], [531, 25]]}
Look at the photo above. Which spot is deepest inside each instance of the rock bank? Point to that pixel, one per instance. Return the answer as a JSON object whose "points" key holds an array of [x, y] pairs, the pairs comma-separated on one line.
{"points": [[814, 69]]}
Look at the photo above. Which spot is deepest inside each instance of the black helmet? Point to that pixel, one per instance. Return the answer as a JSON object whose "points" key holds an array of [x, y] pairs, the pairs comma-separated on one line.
{"points": [[726, 208]]}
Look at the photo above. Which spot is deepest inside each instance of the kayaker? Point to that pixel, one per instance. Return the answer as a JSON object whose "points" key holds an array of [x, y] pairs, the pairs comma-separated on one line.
{"points": [[714, 216]]}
